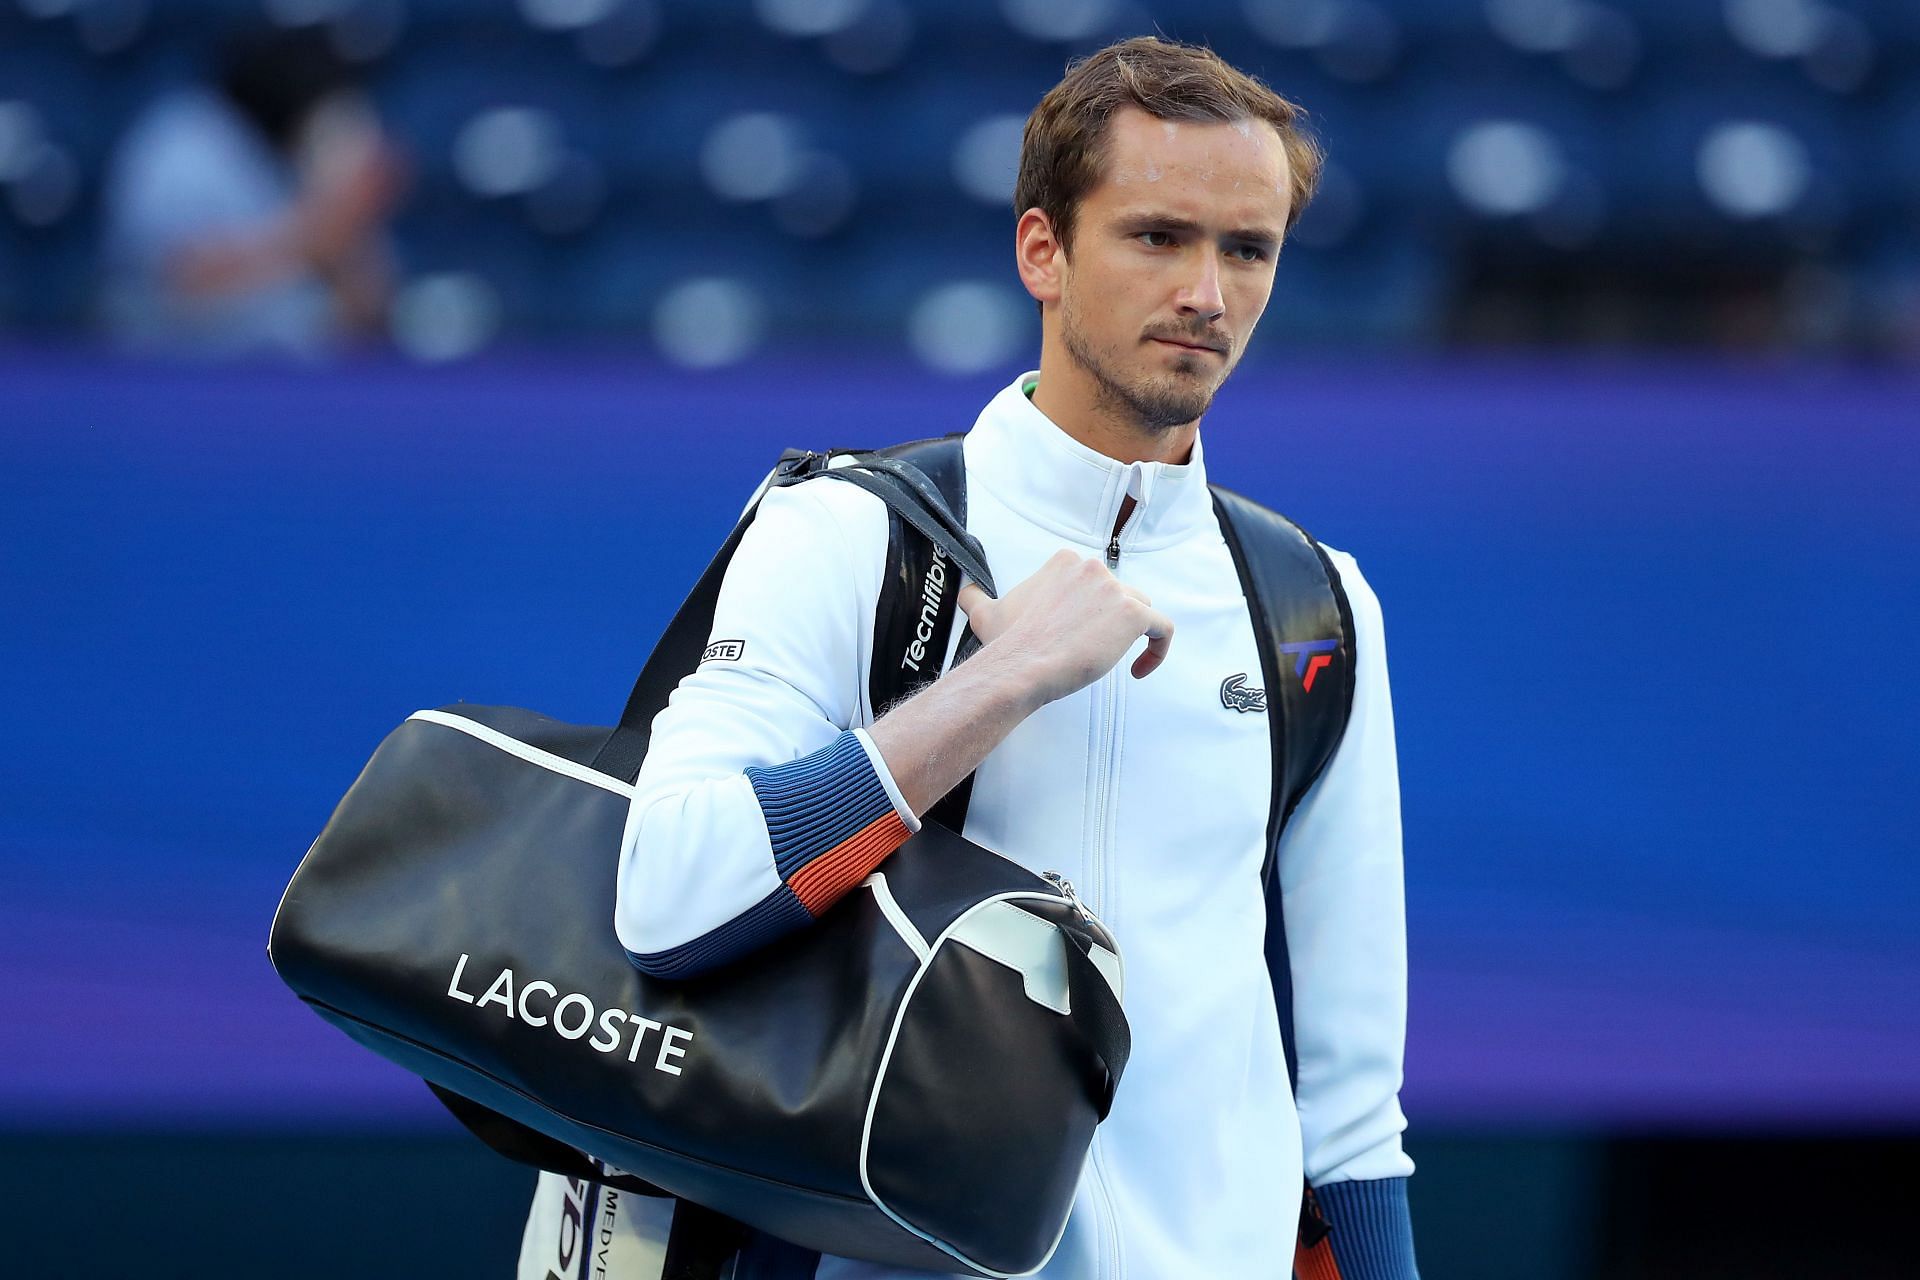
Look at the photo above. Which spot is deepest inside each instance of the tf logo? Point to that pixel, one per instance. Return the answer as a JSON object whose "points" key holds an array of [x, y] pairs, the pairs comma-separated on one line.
{"points": [[1310, 658]]}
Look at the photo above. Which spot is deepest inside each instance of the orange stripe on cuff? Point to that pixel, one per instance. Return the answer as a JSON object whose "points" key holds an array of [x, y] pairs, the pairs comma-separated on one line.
{"points": [[822, 881], [1316, 1263]]}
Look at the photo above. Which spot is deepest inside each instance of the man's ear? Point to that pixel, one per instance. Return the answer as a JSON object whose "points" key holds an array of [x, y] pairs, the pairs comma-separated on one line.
{"points": [[1039, 256]]}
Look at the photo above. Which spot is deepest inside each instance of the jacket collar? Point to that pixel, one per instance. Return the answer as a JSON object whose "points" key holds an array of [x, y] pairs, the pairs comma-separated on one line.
{"points": [[1017, 454]]}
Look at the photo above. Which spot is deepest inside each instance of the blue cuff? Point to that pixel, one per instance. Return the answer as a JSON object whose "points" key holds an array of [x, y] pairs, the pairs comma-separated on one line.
{"points": [[818, 802], [773, 917], [1372, 1233], [830, 819]]}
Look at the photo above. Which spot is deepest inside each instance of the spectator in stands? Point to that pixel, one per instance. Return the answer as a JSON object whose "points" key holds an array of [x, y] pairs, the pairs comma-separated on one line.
{"points": [[248, 216]]}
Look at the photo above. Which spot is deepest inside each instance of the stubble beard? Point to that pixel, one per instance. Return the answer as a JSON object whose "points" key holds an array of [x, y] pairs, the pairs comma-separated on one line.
{"points": [[1153, 405]]}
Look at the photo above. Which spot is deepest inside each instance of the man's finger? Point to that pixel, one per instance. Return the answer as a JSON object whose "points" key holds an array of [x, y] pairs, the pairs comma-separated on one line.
{"points": [[968, 603], [1159, 635]]}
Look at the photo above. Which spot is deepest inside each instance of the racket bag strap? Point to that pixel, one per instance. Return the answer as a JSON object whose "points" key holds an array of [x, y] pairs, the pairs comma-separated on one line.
{"points": [[700, 1243]]}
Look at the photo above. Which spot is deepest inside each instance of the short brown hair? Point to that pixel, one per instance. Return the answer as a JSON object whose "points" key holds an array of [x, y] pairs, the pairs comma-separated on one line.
{"points": [[1064, 148]]}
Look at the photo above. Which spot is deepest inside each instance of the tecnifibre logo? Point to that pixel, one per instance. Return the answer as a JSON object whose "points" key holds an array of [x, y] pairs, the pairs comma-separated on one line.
{"points": [[933, 589], [1310, 658]]}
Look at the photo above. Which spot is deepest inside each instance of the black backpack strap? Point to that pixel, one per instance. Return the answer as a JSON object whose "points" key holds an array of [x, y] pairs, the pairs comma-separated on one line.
{"points": [[919, 602], [912, 498], [1304, 628]]}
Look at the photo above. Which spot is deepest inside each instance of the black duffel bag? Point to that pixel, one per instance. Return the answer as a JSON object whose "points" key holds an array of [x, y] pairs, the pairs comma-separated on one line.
{"points": [[913, 1080]]}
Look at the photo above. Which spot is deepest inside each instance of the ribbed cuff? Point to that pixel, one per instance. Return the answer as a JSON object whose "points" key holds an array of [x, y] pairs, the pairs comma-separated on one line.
{"points": [[1372, 1236], [774, 916], [830, 820]]}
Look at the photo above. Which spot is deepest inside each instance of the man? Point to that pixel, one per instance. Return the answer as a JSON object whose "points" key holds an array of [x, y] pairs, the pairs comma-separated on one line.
{"points": [[1156, 186], [249, 216]]}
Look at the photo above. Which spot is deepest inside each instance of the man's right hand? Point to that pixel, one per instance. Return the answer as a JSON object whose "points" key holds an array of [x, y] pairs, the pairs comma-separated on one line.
{"points": [[1068, 624], [1055, 633]]}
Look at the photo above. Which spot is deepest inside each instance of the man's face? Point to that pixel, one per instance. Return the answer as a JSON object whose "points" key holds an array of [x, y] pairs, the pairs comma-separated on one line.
{"points": [[1172, 262]]}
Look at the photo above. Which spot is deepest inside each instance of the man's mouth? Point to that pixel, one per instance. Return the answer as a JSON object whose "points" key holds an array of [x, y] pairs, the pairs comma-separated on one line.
{"points": [[1191, 346]]}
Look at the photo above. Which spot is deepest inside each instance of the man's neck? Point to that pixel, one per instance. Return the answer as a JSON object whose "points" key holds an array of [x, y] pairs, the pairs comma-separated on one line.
{"points": [[1071, 399]]}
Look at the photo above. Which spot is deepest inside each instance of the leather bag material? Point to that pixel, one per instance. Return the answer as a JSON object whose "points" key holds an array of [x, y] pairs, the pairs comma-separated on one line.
{"points": [[430, 904], [927, 1144]]}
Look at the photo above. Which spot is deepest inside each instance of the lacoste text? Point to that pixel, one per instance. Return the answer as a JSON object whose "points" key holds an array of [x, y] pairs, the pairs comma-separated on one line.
{"points": [[569, 1016]]}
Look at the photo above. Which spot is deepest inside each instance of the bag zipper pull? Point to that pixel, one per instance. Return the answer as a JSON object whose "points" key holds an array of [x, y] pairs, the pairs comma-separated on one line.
{"points": [[1065, 886]]}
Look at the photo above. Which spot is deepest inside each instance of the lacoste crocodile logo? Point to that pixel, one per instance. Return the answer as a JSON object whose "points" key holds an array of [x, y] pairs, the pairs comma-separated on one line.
{"points": [[1237, 695]]}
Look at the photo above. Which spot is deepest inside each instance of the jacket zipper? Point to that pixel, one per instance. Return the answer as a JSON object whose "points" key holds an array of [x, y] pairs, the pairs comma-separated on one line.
{"points": [[1108, 1242], [1107, 743], [1107, 694]]}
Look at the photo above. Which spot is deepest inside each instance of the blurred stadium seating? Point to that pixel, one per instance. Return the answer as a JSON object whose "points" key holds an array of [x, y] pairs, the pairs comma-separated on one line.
{"points": [[715, 177]]}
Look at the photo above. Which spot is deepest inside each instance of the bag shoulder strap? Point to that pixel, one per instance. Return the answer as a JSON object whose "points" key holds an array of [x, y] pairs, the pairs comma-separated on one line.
{"points": [[919, 602], [913, 620], [1304, 628], [890, 475]]}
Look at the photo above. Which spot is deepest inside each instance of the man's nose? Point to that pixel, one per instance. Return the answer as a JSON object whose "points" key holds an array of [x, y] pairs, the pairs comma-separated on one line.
{"points": [[1201, 294]]}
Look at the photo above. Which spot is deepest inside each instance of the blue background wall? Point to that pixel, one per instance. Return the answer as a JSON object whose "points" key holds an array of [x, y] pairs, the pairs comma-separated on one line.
{"points": [[1650, 629]]}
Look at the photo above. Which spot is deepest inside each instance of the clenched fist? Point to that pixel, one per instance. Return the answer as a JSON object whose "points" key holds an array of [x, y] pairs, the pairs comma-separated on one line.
{"points": [[1068, 624]]}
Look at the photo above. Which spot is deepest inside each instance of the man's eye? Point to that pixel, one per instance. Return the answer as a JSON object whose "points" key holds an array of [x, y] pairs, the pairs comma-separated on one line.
{"points": [[1157, 239], [1250, 253]]}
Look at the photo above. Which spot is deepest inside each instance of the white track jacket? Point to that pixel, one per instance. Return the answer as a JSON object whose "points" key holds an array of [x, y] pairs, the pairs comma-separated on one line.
{"points": [[1150, 795]]}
